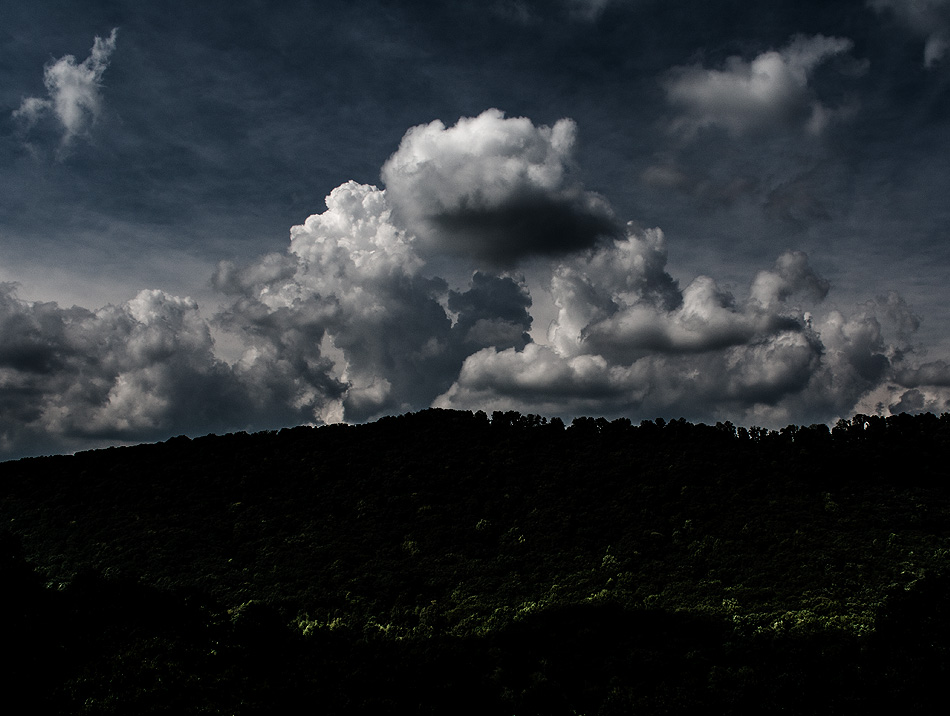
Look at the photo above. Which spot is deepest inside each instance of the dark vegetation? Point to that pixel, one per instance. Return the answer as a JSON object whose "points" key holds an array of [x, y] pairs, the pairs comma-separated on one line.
{"points": [[444, 562]]}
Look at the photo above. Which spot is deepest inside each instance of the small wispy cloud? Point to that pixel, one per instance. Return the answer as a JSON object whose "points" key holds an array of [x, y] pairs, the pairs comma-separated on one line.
{"points": [[770, 90], [928, 18], [73, 89], [529, 12], [588, 9]]}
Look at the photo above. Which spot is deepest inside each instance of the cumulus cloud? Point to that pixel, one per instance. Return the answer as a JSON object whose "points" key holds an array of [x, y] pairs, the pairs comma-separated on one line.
{"points": [[596, 286], [792, 274], [494, 189], [71, 377], [348, 281], [659, 318], [74, 96], [494, 311], [353, 321], [745, 382], [771, 90], [628, 341], [346, 324], [930, 19], [914, 389]]}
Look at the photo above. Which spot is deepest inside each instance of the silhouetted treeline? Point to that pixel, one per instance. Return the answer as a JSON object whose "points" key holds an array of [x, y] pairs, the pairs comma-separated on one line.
{"points": [[446, 561]]}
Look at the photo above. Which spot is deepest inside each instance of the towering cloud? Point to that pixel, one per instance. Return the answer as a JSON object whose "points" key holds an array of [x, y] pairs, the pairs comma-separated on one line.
{"points": [[770, 90], [347, 323], [494, 189], [74, 91], [354, 320]]}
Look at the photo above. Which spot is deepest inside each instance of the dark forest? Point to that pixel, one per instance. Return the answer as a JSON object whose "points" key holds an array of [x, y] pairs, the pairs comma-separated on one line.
{"points": [[449, 562]]}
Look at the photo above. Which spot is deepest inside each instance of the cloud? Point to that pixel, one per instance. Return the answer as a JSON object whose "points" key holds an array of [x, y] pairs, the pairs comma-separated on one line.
{"points": [[346, 324], [791, 275], [770, 91], [348, 280], [656, 317], [71, 377], [74, 91], [355, 320], [494, 311], [668, 176], [628, 341], [743, 381], [597, 286], [352, 301], [929, 19], [494, 189]]}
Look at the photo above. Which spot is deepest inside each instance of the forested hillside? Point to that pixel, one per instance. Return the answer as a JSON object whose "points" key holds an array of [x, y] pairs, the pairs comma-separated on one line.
{"points": [[445, 562]]}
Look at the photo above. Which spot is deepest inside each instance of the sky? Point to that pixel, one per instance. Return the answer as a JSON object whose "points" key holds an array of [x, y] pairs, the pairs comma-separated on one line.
{"points": [[224, 216]]}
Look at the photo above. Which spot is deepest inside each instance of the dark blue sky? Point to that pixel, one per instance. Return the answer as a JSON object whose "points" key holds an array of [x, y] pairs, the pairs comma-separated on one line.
{"points": [[791, 154]]}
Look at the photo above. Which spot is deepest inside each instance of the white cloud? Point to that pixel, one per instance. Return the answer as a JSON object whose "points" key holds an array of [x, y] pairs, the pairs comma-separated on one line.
{"points": [[648, 314], [354, 321], [74, 91], [628, 341], [732, 383], [347, 321], [494, 189], [930, 19], [769, 91]]}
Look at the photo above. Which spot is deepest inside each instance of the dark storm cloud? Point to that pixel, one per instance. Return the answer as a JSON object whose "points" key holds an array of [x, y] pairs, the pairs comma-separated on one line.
{"points": [[494, 311], [936, 373]]}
